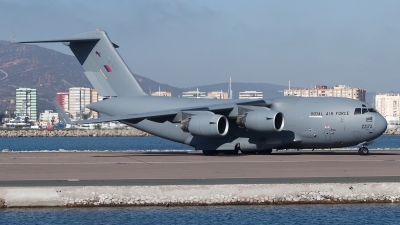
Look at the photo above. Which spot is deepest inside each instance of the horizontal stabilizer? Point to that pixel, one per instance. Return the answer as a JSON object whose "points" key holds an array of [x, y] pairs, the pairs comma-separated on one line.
{"points": [[62, 40], [62, 115]]}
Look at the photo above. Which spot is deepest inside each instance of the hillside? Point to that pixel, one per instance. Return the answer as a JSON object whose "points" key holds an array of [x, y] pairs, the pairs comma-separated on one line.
{"points": [[32, 66], [49, 72]]}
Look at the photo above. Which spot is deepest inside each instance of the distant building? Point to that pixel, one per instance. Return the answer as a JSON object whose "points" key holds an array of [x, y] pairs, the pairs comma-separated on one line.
{"points": [[388, 106], [161, 93], [48, 116], [193, 94], [341, 91], [62, 99], [26, 103], [95, 98], [79, 97], [218, 94], [250, 94], [74, 102]]}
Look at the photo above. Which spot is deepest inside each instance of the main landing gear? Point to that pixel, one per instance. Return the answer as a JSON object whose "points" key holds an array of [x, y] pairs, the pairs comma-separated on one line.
{"points": [[363, 151]]}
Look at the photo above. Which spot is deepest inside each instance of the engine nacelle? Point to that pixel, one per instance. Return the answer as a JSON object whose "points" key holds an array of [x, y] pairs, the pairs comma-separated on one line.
{"points": [[207, 125], [262, 120]]}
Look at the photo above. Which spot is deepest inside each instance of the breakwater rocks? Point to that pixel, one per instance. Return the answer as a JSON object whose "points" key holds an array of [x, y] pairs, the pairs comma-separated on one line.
{"points": [[73, 133], [392, 132], [182, 195]]}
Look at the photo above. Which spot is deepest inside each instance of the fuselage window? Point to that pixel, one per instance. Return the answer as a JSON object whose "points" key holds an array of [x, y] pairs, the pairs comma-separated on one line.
{"points": [[364, 110], [357, 111]]}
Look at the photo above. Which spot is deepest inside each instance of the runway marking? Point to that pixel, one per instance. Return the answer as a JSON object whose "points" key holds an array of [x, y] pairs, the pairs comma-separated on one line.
{"points": [[137, 160], [73, 180]]}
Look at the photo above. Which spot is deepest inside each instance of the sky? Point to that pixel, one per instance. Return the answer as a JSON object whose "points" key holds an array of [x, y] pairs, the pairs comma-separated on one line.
{"points": [[199, 42]]}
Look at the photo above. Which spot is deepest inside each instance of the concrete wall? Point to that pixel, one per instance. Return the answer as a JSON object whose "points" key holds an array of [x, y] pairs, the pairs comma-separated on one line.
{"points": [[177, 195]]}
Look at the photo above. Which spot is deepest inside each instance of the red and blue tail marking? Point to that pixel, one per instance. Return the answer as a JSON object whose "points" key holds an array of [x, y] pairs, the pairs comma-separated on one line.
{"points": [[108, 68]]}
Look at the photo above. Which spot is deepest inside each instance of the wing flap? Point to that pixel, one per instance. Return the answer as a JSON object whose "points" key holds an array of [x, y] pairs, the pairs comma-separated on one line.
{"points": [[133, 117]]}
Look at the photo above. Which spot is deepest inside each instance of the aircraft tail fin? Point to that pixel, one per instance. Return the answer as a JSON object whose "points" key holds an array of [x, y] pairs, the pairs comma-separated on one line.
{"points": [[62, 115], [103, 65]]}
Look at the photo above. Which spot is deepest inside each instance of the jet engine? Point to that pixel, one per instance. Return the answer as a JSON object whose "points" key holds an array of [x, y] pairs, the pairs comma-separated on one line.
{"points": [[207, 125], [261, 120]]}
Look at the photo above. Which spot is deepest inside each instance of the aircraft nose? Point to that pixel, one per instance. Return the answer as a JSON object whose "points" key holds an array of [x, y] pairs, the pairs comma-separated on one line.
{"points": [[380, 124]]}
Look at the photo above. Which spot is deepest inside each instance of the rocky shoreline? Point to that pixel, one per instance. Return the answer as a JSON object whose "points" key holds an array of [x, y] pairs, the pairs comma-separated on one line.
{"points": [[196, 195], [392, 132], [132, 132]]}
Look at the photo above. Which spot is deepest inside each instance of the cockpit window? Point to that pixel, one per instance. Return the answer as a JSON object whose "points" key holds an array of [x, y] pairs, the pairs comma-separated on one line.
{"points": [[363, 105], [357, 111]]}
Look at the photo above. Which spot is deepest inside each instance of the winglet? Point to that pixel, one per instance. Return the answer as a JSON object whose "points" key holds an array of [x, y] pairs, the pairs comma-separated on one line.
{"points": [[62, 115]]}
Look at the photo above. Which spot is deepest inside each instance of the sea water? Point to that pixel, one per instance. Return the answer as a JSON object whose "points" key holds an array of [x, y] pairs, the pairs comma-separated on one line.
{"points": [[130, 143], [268, 214]]}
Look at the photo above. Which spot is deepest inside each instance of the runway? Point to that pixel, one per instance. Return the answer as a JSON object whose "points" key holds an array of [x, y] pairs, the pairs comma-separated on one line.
{"points": [[130, 168]]}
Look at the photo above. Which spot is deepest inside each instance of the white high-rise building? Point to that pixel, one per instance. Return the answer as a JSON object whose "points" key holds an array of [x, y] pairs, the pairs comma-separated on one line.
{"points": [[78, 98], [388, 106]]}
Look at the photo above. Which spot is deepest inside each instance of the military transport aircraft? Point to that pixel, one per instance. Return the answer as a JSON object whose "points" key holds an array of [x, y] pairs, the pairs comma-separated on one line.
{"points": [[213, 125]]}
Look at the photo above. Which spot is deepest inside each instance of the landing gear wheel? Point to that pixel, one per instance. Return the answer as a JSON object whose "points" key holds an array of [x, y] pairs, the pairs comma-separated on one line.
{"points": [[209, 152], [363, 151]]}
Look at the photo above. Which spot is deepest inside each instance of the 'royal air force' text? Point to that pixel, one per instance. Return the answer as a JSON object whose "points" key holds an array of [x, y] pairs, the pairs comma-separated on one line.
{"points": [[339, 113]]}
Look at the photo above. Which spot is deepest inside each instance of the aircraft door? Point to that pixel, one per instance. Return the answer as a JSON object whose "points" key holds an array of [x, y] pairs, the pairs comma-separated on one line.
{"points": [[357, 134]]}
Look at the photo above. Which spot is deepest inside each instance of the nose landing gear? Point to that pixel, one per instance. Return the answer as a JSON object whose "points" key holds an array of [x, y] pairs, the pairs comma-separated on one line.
{"points": [[363, 151]]}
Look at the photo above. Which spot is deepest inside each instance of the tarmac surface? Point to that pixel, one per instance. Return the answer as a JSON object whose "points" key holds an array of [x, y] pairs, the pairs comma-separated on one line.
{"points": [[21, 169]]}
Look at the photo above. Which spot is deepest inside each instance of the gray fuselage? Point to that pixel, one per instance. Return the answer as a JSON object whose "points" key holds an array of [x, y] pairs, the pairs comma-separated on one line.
{"points": [[308, 122]]}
